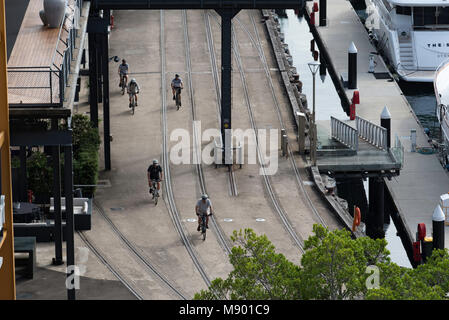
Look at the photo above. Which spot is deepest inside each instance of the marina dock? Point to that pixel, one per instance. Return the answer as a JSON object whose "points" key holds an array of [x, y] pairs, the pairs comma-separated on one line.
{"points": [[422, 179]]}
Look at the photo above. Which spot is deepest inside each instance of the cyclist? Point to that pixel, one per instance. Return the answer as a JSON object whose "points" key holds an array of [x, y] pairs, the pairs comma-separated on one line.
{"points": [[133, 89], [176, 84], [155, 173], [201, 209], [123, 70]]}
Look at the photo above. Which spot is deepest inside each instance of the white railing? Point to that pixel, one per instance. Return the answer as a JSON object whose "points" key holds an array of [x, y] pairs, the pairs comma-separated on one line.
{"points": [[344, 133], [372, 133], [398, 151]]}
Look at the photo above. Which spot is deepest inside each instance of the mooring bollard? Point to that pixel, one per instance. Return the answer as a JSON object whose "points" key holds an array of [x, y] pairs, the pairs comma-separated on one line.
{"points": [[323, 13], [385, 122], [352, 66], [372, 63], [283, 142], [438, 228], [301, 131], [413, 139]]}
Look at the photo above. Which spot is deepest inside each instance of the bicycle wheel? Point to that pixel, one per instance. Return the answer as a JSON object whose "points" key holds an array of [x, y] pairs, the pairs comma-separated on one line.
{"points": [[203, 227]]}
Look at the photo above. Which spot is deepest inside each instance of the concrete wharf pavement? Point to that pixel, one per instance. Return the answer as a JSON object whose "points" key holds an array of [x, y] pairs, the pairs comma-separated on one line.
{"points": [[422, 180], [138, 139]]}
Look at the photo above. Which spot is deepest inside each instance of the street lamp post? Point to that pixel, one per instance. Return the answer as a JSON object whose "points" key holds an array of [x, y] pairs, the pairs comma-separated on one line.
{"points": [[314, 67]]}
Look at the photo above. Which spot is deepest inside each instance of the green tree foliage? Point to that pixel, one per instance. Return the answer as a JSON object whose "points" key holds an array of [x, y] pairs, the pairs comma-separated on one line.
{"points": [[259, 272], [86, 143], [429, 281], [39, 173], [334, 266]]}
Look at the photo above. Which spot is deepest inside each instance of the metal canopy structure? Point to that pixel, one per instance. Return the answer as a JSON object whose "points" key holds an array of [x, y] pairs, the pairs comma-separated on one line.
{"points": [[98, 51]]}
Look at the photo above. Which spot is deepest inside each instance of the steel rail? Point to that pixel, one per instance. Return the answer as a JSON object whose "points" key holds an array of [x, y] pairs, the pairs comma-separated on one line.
{"points": [[213, 59], [113, 270], [222, 239], [297, 239], [137, 253], [169, 196], [258, 44]]}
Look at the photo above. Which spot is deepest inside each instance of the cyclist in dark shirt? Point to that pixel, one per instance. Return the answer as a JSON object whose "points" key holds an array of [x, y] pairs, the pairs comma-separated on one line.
{"points": [[155, 173]]}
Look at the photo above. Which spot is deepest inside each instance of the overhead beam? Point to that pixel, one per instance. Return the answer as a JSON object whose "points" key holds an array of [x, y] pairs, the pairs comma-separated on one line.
{"points": [[41, 138], [197, 4]]}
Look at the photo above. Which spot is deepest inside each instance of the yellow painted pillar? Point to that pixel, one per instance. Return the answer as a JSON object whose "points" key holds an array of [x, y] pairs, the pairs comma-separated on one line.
{"points": [[7, 274]]}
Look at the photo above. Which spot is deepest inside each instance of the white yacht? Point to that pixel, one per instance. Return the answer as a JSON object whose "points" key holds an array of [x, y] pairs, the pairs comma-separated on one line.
{"points": [[412, 34], [441, 85]]}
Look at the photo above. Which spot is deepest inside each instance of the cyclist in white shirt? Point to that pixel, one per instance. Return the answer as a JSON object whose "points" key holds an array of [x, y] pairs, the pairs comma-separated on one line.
{"points": [[202, 207]]}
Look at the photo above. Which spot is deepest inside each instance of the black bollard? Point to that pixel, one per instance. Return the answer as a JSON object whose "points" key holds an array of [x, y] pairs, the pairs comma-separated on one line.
{"points": [[352, 66], [438, 228], [323, 13], [385, 122]]}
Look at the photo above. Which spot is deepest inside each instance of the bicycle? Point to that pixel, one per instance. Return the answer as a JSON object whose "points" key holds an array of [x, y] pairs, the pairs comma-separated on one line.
{"points": [[178, 98], [133, 103], [203, 226], [154, 190], [123, 84]]}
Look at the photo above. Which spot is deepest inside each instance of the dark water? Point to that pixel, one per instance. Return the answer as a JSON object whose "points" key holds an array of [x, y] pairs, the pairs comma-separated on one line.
{"points": [[298, 36]]}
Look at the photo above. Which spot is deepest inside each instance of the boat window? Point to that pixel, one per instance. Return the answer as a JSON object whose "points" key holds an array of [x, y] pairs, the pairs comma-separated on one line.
{"points": [[407, 11], [429, 15], [443, 15], [424, 16], [418, 16]]}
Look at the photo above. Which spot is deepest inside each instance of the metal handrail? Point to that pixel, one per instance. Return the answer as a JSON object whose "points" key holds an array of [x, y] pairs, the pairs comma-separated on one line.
{"points": [[398, 151], [372, 133], [344, 133], [60, 70]]}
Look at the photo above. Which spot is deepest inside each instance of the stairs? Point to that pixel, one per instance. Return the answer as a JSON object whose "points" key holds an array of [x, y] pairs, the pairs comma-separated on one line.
{"points": [[407, 58]]}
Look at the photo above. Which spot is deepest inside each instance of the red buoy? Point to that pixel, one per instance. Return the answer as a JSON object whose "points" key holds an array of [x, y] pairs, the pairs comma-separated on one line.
{"points": [[421, 231], [315, 7], [312, 18]]}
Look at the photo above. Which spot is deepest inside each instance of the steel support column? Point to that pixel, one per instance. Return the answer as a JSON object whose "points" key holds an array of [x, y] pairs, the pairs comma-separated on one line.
{"points": [[226, 79], [23, 175], [57, 260], [375, 222], [69, 228], [106, 119], [93, 80]]}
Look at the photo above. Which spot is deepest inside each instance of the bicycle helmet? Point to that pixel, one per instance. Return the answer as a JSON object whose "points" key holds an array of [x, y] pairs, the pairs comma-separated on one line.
{"points": [[204, 196], [176, 75], [155, 161], [133, 80]]}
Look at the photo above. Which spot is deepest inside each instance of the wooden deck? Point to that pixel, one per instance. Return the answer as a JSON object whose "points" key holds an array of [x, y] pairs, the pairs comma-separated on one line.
{"points": [[35, 47]]}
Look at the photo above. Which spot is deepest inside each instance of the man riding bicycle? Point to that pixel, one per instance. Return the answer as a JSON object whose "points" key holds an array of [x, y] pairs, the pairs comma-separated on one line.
{"points": [[201, 209], [133, 90], [176, 84], [123, 70], [155, 173]]}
